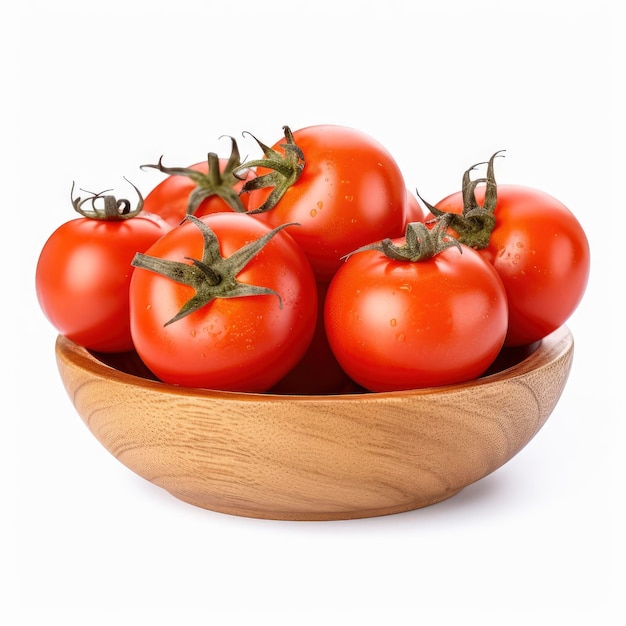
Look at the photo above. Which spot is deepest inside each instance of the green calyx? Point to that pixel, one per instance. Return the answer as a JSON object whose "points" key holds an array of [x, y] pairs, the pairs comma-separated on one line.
{"points": [[476, 222], [213, 276], [421, 243], [214, 183], [285, 168], [112, 209]]}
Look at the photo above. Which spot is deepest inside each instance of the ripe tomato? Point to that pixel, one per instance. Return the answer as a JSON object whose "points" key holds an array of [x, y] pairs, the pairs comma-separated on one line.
{"points": [[207, 187], [541, 253], [342, 186], [235, 316], [401, 324], [84, 269]]}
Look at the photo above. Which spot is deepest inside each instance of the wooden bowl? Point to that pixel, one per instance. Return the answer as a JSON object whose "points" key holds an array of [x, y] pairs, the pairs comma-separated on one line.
{"points": [[315, 457]]}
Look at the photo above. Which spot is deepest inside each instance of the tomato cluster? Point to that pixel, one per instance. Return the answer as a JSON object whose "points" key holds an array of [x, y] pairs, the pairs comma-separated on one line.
{"points": [[313, 270]]}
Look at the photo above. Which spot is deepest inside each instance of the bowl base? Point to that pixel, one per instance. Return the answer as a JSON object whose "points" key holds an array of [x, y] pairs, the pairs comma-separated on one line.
{"points": [[317, 516]]}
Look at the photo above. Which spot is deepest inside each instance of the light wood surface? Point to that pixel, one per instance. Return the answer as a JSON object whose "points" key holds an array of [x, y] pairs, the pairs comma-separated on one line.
{"points": [[315, 458]]}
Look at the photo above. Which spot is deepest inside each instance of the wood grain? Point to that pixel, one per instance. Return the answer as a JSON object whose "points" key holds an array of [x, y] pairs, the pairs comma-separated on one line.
{"points": [[315, 457]]}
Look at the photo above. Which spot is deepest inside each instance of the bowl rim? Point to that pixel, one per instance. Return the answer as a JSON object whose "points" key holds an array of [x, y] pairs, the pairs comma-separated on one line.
{"points": [[549, 349]]}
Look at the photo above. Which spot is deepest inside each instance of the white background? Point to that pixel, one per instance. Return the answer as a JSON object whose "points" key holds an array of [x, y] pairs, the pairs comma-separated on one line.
{"points": [[99, 88]]}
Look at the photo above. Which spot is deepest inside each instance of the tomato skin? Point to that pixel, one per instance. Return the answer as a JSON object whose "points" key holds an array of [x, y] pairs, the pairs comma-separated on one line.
{"points": [[542, 255], [233, 344], [83, 276], [170, 197], [397, 325], [350, 193]]}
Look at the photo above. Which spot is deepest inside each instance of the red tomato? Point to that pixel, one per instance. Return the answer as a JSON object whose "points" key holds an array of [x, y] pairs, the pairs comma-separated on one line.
{"points": [[401, 324], [83, 276], [541, 253], [207, 187], [349, 192], [318, 372], [239, 343]]}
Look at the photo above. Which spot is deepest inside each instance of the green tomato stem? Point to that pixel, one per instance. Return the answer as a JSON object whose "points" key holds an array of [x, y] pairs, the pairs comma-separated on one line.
{"points": [[285, 168], [113, 210], [476, 222], [421, 243], [213, 276], [215, 182]]}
